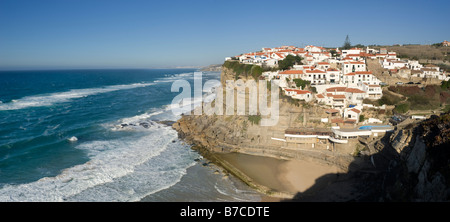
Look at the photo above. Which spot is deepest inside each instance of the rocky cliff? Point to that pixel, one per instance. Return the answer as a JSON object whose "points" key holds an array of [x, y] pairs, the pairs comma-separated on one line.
{"points": [[420, 170]]}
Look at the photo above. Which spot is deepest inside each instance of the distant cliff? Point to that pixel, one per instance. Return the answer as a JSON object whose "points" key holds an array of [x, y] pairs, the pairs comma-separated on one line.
{"points": [[212, 68]]}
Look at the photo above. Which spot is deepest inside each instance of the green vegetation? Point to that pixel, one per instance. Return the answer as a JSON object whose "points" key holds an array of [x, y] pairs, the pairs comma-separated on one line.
{"points": [[254, 119], [244, 69], [347, 44], [389, 99], [402, 108], [430, 97], [443, 66], [289, 61], [301, 83], [358, 148], [439, 44], [361, 118], [446, 108], [445, 85], [333, 52]]}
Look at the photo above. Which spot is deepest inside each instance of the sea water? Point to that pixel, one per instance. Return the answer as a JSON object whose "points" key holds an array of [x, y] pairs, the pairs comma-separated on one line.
{"points": [[96, 135]]}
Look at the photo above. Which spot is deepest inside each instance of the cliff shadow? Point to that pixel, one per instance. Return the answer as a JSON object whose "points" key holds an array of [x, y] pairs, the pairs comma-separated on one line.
{"points": [[362, 182]]}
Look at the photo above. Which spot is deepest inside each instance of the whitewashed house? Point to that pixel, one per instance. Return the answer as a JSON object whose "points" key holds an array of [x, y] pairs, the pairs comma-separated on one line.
{"points": [[323, 65], [333, 76], [315, 76], [355, 96], [393, 64], [352, 113], [270, 62], [299, 94], [353, 66], [346, 52], [414, 65], [311, 48], [432, 73], [372, 91], [352, 79], [291, 74]]}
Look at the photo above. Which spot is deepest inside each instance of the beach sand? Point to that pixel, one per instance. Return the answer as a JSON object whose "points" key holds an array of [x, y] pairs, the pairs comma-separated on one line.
{"points": [[287, 176]]}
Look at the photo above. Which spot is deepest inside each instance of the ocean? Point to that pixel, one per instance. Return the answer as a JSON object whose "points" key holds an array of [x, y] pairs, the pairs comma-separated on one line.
{"points": [[97, 135]]}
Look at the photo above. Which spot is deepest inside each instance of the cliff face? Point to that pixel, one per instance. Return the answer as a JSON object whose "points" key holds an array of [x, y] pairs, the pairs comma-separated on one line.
{"points": [[420, 168]]}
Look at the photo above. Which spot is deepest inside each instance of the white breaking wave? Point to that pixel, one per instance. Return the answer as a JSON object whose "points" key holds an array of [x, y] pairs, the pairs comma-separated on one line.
{"points": [[112, 164], [73, 139], [59, 97]]}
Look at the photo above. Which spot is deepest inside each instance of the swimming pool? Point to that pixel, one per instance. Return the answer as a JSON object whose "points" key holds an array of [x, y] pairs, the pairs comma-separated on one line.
{"points": [[370, 127]]}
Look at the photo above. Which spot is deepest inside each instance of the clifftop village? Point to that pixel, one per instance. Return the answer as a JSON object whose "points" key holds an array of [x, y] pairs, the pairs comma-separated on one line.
{"points": [[340, 82]]}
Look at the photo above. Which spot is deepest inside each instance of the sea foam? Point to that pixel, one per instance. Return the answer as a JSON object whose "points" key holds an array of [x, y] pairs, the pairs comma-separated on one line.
{"points": [[60, 97], [131, 167]]}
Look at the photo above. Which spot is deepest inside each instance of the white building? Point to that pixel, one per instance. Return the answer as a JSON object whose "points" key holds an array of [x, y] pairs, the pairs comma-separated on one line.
{"points": [[323, 65], [311, 48], [353, 66], [352, 79], [352, 113], [333, 76], [414, 65], [299, 94], [372, 91], [355, 96], [315, 76], [393, 64], [346, 52], [432, 73]]}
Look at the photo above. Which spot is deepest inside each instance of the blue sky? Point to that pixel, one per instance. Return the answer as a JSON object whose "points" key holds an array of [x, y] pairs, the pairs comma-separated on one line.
{"points": [[157, 34]]}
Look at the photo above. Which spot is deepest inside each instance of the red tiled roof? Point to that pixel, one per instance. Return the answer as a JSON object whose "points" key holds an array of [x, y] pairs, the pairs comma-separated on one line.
{"points": [[298, 91], [363, 72], [315, 71], [292, 72], [354, 90], [357, 62], [355, 110], [337, 89]]}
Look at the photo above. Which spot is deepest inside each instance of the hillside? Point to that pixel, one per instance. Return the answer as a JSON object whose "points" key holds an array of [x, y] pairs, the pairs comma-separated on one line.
{"points": [[423, 53]]}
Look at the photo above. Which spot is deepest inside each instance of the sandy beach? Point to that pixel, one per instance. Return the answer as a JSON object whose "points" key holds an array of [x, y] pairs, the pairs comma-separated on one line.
{"points": [[285, 176]]}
